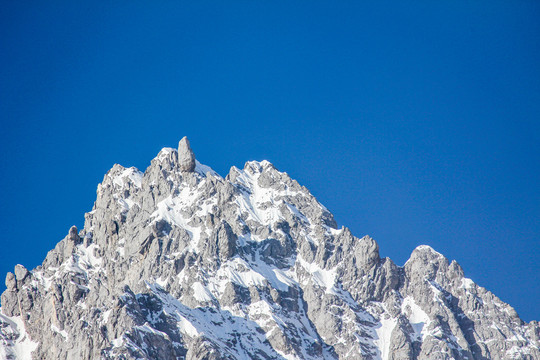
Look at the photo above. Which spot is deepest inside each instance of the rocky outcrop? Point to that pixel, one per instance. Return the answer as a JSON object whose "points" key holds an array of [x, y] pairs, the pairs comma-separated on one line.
{"points": [[186, 158], [180, 263]]}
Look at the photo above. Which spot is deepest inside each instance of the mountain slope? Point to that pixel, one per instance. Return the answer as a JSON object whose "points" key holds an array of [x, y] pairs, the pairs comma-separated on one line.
{"points": [[178, 262]]}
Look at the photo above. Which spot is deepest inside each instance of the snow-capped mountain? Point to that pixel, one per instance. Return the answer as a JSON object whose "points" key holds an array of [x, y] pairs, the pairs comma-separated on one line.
{"points": [[180, 263]]}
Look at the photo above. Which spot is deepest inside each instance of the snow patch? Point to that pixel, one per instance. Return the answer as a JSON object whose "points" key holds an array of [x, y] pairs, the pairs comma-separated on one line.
{"points": [[105, 318], [132, 175], [87, 257], [261, 204], [201, 293], [172, 210], [21, 348], [204, 169], [64, 333], [162, 282], [384, 333], [418, 319], [164, 153], [322, 277], [117, 342], [467, 283], [186, 327]]}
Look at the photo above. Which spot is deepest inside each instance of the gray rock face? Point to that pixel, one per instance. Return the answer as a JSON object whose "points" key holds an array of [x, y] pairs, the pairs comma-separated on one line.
{"points": [[186, 158], [20, 272], [11, 282], [180, 263]]}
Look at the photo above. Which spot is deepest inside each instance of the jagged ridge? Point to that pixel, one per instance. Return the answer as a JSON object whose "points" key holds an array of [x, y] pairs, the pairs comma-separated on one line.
{"points": [[179, 262]]}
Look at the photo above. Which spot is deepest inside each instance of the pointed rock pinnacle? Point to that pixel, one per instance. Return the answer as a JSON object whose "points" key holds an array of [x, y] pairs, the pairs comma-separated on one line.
{"points": [[186, 158], [73, 235]]}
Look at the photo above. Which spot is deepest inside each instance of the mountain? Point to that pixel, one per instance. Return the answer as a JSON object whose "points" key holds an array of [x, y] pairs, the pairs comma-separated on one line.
{"points": [[180, 263]]}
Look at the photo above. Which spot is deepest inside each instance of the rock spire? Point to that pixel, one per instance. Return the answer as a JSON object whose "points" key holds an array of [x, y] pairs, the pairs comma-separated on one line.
{"points": [[186, 158]]}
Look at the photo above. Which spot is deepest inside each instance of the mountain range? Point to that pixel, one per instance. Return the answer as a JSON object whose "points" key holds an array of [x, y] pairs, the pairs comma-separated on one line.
{"points": [[179, 262]]}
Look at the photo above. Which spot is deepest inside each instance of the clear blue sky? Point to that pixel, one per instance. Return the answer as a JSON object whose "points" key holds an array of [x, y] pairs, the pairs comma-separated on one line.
{"points": [[416, 123]]}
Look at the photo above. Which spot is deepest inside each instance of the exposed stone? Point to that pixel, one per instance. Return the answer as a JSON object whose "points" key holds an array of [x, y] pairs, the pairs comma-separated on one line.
{"points": [[177, 264], [73, 235], [186, 158], [20, 272], [11, 282]]}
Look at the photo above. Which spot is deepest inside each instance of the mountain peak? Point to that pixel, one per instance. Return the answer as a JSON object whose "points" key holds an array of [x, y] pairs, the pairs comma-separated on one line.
{"points": [[180, 263]]}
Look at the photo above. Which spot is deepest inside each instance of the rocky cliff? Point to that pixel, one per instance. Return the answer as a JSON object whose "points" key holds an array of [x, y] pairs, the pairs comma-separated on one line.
{"points": [[180, 263]]}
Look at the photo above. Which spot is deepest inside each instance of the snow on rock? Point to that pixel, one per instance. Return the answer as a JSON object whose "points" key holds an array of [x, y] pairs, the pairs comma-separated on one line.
{"points": [[417, 317], [15, 343], [384, 332], [178, 262]]}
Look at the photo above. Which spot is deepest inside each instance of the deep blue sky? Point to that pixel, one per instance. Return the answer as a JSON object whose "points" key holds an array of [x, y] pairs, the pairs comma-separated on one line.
{"points": [[416, 123]]}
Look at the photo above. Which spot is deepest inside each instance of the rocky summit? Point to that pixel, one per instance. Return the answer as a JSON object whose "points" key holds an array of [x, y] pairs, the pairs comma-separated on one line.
{"points": [[181, 263]]}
